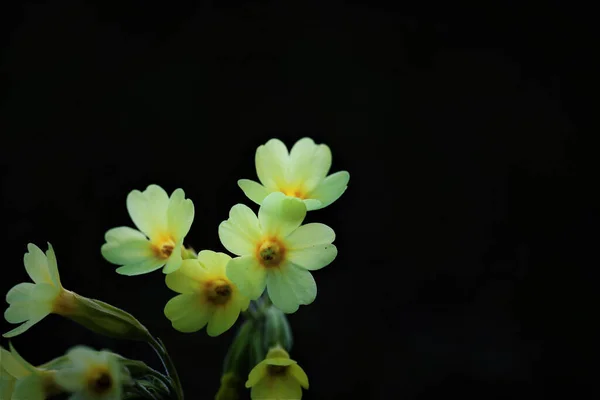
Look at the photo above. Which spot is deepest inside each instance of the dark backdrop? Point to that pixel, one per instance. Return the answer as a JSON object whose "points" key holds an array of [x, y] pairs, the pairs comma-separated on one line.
{"points": [[462, 236]]}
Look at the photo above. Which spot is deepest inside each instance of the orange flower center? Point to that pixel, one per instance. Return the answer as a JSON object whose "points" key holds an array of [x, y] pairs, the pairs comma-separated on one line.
{"points": [[218, 291], [99, 380], [295, 192], [277, 370], [270, 252], [163, 247]]}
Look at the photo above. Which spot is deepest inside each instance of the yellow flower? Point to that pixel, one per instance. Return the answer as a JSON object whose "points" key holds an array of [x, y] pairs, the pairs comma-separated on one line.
{"points": [[207, 296], [275, 251], [229, 387], [21, 380], [301, 173], [91, 375], [31, 302], [277, 377], [164, 222]]}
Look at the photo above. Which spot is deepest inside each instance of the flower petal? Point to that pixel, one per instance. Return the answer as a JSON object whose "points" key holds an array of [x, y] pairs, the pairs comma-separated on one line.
{"points": [[240, 233], [271, 162], [312, 204], [175, 259], [12, 365], [258, 373], [279, 215], [36, 264], [247, 275], [186, 279], [24, 327], [310, 235], [309, 163], [253, 190], [290, 286], [187, 313], [123, 234], [148, 209], [298, 373], [52, 265], [126, 246], [222, 319], [19, 293], [146, 266], [331, 188], [30, 388], [70, 379], [180, 214], [213, 262], [279, 388], [313, 258]]}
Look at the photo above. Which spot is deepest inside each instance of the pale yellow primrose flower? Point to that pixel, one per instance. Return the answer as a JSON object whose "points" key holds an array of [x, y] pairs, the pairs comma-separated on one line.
{"points": [[277, 377], [91, 375], [275, 251], [164, 222], [20, 380], [207, 296], [301, 173], [32, 302]]}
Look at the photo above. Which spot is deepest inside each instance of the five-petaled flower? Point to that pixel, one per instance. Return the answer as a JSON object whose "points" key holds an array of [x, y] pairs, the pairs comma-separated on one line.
{"points": [[275, 251], [164, 222], [29, 302], [91, 375], [277, 377], [207, 296], [300, 173]]}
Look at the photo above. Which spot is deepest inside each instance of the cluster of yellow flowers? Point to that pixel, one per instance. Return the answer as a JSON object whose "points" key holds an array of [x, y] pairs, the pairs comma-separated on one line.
{"points": [[272, 250]]}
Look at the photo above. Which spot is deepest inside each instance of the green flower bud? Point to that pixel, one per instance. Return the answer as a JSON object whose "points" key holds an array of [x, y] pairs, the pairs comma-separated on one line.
{"points": [[229, 389], [257, 348], [102, 318], [277, 329], [236, 359]]}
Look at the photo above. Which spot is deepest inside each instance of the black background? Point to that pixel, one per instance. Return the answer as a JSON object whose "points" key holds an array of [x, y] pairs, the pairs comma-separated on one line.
{"points": [[463, 237]]}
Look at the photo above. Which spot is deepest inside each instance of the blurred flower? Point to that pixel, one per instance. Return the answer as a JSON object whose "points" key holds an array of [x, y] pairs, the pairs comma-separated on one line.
{"points": [[207, 296], [21, 380], [29, 303], [164, 222], [275, 251], [301, 173], [229, 387], [277, 377], [91, 375]]}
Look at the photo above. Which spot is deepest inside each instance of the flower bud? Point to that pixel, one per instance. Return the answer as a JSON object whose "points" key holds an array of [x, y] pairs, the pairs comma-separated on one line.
{"points": [[229, 389], [236, 359], [277, 329], [102, 318]]}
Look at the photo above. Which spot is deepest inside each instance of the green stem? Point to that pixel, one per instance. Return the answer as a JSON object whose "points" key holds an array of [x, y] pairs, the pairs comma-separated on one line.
{"points": [[160, 349], [145, 391]]}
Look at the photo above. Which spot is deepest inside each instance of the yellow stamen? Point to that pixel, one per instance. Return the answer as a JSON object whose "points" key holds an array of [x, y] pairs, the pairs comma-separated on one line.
{"points": [[164, 246], [270, 252]]}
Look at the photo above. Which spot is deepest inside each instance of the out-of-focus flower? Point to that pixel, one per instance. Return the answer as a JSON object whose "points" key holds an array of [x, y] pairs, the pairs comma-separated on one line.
{"points": [[21, 380], [29, 302], [275, 251], [277, 377], [207, 296], [228, 390], [163, 223], [91, 375], [301, 173]]}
